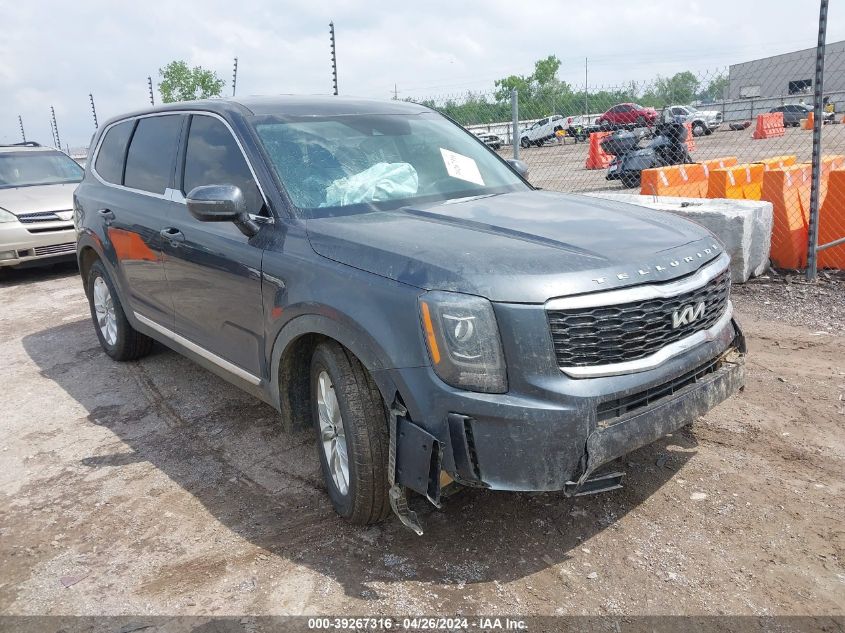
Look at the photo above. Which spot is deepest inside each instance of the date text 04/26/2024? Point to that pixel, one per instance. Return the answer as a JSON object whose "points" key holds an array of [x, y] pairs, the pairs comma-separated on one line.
{"points": [[418, 624]]}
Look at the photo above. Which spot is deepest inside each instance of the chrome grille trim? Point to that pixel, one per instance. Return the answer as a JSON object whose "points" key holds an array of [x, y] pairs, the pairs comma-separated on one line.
{"points": [[658, 358], [585, 328], [39, 216], [645, 291], [55, 249]]}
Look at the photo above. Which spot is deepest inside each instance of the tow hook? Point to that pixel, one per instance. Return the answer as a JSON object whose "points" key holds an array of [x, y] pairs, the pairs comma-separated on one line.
{"points": [[594, 485], [398, 494]]}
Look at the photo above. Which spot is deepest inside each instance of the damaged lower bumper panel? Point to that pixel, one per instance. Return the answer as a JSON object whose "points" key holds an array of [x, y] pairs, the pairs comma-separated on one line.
{"points": [[420, 459]]}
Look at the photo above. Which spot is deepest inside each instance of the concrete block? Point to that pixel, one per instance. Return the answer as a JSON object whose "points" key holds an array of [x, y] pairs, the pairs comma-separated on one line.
{"points": [[743, 226]]}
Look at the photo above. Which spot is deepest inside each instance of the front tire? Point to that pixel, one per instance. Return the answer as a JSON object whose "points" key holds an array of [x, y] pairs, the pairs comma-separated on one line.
{"points": [[698, 129], [352, 438], [117, 337], [525, 143]]}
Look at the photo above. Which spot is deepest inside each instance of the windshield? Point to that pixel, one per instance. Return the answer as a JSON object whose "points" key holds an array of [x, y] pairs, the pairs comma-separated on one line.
{"points": [[358, 163], [28, 169]]}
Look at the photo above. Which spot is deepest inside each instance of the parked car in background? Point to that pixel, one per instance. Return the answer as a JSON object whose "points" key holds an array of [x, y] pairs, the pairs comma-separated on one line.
{"points": [[36, 204], [702, 121], [542, 131], [493, 141], [627, 114], [794, 112]]}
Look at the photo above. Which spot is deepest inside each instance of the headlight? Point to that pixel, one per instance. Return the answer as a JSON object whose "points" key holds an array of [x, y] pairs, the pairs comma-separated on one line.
{"points": [[5, 216], [463, 341]]}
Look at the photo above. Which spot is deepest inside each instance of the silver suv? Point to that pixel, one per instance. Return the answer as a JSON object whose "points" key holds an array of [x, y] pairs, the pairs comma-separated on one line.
{"points": [[36, 204]]}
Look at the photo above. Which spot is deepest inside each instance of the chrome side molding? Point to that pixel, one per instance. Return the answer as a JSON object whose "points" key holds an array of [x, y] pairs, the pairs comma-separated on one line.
{"points": [[200, 351]]}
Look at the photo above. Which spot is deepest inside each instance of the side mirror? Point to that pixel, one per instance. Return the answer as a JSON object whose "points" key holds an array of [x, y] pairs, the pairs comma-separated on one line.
{"points": [[518, 165], [221, 203]]}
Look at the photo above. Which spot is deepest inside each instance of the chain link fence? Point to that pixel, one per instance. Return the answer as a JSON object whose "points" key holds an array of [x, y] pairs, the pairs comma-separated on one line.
{"points": [[741, 132]]}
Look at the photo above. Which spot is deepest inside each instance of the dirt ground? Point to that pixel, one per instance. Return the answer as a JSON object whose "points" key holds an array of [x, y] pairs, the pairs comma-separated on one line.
{"points": [[156, 488]]}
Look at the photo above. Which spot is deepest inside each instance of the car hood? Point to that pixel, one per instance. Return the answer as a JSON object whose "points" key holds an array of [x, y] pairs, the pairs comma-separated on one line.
{"points": [[708, 114], [38, 198], [523, 247]]}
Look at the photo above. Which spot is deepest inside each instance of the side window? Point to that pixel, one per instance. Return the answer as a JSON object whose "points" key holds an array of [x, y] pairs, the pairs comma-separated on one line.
{"points": [[152, 151], [214, 158], [112, 152], [542, 122]]}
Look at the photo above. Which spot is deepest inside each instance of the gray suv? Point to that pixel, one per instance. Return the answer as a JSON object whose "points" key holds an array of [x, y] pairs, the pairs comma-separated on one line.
{"points": [[373, 270]]}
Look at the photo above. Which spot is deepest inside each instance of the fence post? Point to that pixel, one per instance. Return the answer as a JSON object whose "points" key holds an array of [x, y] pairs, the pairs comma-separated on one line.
{"points": [[818, 122], [515, 124]]}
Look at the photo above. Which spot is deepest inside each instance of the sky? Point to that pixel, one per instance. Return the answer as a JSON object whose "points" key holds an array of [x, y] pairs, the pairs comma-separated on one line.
{"points": [[54, 53]]}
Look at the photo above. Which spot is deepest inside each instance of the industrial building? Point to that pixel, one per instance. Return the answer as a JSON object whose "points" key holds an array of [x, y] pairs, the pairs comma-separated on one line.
{"points": [[789, 74]]}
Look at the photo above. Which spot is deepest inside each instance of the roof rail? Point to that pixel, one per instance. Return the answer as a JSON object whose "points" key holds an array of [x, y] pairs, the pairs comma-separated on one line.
{"points": [[24, 144]]}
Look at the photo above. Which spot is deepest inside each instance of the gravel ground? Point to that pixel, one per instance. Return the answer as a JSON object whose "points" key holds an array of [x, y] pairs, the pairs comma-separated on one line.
{"points": [[156, 488], [786, 297]]}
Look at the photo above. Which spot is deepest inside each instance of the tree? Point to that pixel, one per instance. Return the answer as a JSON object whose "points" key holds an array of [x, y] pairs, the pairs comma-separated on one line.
{"points": [[181, 83], [717, 88], [679, 88], [540, 93]]}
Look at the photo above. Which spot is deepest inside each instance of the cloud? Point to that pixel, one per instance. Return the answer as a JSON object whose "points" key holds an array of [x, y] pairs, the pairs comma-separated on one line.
{"points": [[56, 53]]}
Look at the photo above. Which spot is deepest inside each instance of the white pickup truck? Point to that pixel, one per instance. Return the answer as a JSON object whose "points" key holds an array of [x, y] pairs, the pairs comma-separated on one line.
{"points": [[702, 121], [542, 130]]}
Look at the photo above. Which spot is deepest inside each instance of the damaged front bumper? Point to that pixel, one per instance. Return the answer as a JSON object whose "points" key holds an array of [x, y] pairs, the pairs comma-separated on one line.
{"points": [[521, 444]]}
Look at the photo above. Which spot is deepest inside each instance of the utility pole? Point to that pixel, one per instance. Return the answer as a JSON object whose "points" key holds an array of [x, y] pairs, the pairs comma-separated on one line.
{"points": [[55, 127], [586, 96], [150, 84], [334, 57], [23, 134], [93, 110], [818, 120], [235, 77], [395, 93]]}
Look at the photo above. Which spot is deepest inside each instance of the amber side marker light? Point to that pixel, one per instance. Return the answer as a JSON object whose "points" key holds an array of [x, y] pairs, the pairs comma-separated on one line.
{"points": [[429, 333]]}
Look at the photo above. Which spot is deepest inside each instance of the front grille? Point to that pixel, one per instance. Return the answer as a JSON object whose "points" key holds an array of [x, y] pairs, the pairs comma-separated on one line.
{"points": [[608, 412], [40, 216], [55, 249], [604, 335]]}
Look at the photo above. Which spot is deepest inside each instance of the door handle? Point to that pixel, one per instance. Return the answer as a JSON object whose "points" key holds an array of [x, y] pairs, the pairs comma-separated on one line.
{"points": [[107, 215], [173, 235]]}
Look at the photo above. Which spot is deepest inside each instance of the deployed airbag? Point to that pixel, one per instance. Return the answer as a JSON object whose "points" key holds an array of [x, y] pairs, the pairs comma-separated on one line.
{"points": [[382, 181]]}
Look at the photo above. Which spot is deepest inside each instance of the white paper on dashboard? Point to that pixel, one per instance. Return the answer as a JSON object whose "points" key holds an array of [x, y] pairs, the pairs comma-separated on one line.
{"points": [[460, 166]]}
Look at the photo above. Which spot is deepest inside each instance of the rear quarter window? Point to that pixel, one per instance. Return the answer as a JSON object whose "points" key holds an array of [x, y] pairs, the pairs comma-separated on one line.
{"points": [[152, 153], [112, 152]]}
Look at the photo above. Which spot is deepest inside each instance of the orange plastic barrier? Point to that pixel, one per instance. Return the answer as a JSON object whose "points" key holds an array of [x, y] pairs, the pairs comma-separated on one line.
{"points": [[680, 181], [832, 221], [597, 158], [769, 125], [831, 162], [690, 138], [788, 190], [777, 162], [739, 181], [809, 122], [716, 163]]}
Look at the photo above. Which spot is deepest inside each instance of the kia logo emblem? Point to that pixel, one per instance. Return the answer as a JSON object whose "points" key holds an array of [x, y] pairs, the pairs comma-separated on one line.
{"points": [[687, 315]]}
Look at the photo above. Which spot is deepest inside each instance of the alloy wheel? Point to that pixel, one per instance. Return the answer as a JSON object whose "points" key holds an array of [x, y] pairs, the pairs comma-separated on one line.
{"points": [[332, 433], [104, 308]]}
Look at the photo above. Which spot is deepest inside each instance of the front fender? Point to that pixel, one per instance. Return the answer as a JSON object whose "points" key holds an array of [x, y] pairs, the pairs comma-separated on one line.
{"points": [[343, 330]]}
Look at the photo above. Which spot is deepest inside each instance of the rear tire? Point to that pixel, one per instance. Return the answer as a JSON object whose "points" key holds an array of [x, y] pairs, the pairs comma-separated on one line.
{"points": [[117, 337], [350, 420]]}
